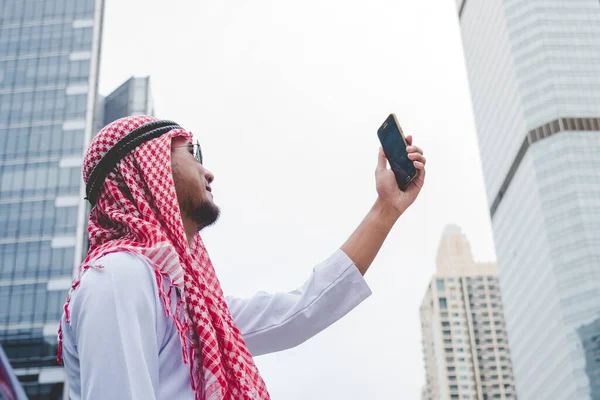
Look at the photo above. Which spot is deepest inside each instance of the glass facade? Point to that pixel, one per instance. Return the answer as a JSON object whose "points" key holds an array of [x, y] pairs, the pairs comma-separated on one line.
{"points": [[49, 53], [133, 97], [534, 75]]}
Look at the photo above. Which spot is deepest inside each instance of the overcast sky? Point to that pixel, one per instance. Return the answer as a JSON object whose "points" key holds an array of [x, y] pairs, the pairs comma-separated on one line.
{"points": [[286, 97]]}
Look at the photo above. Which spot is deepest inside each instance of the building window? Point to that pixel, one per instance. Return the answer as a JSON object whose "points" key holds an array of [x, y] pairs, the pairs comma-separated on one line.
{"points": [[443, 304], [440, 285]]}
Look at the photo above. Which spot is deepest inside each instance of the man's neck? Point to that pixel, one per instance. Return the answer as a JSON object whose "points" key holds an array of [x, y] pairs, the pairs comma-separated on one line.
{"points": [[190, 230]]}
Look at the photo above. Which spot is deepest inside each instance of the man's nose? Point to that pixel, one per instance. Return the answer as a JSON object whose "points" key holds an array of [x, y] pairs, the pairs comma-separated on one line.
{"points": [[209, 176]]}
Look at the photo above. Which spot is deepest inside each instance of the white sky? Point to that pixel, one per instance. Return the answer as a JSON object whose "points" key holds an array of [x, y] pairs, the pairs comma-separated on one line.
{"points": [[286, 98]]}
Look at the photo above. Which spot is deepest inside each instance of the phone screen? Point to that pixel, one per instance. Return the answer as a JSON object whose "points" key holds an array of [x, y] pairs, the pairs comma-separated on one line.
{"points": [[394, 148]]}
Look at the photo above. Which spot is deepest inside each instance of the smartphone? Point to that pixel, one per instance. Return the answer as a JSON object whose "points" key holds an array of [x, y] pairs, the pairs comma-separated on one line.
{"points": [[394, 146]]}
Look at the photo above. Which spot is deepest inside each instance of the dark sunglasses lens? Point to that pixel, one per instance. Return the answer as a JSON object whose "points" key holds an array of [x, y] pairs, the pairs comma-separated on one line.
{"points": [[198, 153]]}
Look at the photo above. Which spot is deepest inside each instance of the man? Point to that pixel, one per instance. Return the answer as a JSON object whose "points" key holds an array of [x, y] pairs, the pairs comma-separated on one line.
{"points": [[146, 317]]}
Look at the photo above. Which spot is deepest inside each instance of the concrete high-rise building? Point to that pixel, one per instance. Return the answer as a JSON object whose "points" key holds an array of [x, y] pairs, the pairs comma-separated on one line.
{"points": [[534, 74], [465, 346], [49, 111]]}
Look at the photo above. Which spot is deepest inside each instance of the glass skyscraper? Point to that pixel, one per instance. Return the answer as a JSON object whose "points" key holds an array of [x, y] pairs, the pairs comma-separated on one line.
{"points": [[133, 97], [49, 57], [49, 110], [534, 75]]}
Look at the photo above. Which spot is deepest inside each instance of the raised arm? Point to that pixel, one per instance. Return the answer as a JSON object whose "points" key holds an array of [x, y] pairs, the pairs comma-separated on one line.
{"points": [[272, 322], [364, 243]]}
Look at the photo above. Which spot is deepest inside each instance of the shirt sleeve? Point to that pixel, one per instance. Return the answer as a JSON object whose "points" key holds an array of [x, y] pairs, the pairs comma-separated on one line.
{"points": [[280, 321], [113, 318]]}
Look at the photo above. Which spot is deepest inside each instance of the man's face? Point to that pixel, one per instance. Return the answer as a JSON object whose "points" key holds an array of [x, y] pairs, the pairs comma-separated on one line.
{"points": [[192, 184]]}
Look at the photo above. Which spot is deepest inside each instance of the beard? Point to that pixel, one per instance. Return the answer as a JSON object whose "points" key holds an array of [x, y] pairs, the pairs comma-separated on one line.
{"points": [[205, 214]]}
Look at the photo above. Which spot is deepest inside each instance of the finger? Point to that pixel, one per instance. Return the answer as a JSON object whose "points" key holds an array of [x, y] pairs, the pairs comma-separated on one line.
{"points": [[414, 149], [420, 177], [419, 165], [417, 157], [381, 160], [409, 140]]}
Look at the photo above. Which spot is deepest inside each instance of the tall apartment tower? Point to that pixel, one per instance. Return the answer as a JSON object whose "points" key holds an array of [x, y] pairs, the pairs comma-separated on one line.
{"points": [[465, 345], [534, 74]]}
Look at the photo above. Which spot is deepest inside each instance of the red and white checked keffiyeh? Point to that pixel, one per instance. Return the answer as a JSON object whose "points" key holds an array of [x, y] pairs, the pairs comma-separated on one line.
{"points": [[137, 211]]}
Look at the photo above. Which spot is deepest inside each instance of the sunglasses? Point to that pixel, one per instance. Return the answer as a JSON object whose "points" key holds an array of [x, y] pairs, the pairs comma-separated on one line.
{"points": [[196, 150]]}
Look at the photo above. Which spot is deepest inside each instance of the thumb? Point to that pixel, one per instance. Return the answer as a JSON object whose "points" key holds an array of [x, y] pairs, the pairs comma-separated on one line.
{"points": [[381, 160]]}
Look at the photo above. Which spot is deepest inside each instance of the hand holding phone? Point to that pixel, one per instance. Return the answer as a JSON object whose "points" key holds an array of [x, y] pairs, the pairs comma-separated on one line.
{"points": [[401, 184], [394, 146]]}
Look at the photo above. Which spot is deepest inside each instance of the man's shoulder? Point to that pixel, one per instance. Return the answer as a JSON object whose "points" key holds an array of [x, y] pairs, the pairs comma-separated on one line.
{"points": [[117, 273], [122, 260], [119, 290]]}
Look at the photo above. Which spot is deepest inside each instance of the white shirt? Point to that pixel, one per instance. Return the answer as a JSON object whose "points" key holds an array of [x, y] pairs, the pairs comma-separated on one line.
{"points": [[120, 344]]}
